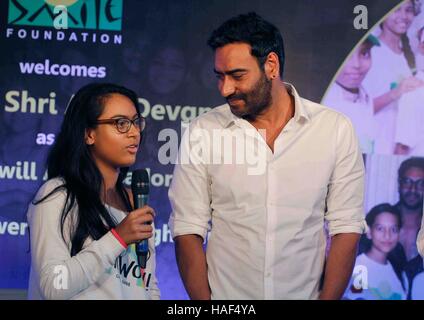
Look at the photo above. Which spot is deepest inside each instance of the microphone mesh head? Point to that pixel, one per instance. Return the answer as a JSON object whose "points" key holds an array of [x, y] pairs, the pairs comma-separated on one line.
{"points": [[140, 181]]}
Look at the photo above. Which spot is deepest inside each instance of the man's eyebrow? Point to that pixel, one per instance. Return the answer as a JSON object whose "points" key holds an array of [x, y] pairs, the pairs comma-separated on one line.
{"points": [[229, 72]]}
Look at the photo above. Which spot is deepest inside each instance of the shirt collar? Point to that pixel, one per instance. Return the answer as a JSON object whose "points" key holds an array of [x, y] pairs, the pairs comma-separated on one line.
{"points": [[300, 113], [359, 97]]}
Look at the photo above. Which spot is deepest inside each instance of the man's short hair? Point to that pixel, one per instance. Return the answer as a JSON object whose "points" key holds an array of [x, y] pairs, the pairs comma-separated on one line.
{"points": [[250, 28], [415, 162]]}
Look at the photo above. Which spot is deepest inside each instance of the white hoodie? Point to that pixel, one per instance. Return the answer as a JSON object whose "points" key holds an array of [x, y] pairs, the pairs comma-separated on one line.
{"points": [[103, 269]]}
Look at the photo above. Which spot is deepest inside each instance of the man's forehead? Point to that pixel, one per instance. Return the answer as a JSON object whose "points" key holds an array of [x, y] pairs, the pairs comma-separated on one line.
{"points": [[414, 172], [232, 56]]}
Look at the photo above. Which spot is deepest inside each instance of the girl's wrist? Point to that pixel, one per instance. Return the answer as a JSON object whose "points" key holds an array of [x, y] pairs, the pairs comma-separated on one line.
{"points": [[119, 238]]}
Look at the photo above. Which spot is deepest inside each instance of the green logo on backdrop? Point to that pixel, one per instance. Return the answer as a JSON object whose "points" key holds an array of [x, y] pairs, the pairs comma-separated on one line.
{"points": [[82, 14]]}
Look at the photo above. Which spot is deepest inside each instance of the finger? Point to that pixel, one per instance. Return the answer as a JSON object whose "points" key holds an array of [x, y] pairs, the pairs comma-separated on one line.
{"points": [[150, 210], [145, 228], [144, 210], [144, 235], [148, 218]]}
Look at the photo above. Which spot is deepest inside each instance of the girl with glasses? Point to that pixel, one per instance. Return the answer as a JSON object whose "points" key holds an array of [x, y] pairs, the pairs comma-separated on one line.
{"points": [[82, 225]]}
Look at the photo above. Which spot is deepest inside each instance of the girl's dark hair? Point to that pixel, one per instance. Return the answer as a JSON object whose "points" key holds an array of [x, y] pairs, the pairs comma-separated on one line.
{"points": [[408, 53], [406, 46], [70, 159], [377, 210], [365, 243]]}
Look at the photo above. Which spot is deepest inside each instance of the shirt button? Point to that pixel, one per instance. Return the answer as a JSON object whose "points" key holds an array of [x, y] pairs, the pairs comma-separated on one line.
{"points": [[268, 274]]}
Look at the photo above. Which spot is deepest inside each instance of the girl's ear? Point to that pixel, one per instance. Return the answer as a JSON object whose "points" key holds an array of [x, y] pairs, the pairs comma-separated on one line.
{"points": [[89, 137]]}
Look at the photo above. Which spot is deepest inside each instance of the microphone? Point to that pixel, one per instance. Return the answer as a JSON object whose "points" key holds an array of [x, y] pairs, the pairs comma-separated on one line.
{"points": [[140, 191]]}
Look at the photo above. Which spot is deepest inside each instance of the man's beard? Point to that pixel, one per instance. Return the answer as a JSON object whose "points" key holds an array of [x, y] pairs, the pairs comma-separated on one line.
{"points": [[417, 205], [256, 101]]}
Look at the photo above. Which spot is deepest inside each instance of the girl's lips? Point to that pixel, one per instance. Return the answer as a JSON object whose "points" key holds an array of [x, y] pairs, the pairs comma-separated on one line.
{"points": [[354, 75], [132, 149], [387, 244]]}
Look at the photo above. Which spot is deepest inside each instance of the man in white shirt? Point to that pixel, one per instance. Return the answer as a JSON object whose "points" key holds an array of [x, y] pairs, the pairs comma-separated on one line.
{"points": [[303, 166], [411, 193]]}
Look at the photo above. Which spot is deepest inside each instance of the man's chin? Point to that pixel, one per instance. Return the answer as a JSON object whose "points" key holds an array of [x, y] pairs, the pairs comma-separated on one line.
{"points": [[416, 205], [237, 111]]}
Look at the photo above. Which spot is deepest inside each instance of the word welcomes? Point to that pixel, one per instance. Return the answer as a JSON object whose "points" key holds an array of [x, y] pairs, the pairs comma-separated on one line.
{"points": [[64, 70]]}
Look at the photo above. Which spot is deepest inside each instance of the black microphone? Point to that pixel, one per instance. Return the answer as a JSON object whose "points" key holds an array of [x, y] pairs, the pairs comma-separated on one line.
{"points": [[140, 190]]}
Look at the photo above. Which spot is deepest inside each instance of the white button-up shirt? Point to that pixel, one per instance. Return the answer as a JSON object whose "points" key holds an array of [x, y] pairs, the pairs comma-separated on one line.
{"points": [[267, 237]]}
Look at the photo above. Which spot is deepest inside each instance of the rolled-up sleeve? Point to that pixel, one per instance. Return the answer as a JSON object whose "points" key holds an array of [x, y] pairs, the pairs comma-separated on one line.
{"points": [[345, 212], [189, 192]]}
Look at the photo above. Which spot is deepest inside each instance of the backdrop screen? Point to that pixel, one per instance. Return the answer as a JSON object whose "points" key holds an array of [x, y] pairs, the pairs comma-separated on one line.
{"points": [[159, 50]]}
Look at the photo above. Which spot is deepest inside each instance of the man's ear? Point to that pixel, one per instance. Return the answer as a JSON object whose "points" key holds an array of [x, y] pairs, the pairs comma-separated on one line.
{"points": [[272, 66], [89, 137]]}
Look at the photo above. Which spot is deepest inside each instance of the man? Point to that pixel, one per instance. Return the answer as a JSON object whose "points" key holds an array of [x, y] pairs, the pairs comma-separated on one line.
{"points": [[405, 256], [411, 190], [267, 237], [348, 96]]}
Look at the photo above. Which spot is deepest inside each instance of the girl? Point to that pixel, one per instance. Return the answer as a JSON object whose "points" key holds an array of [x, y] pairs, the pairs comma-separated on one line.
{"points": [[392, 73], [81, 220], [349, 97], [374, 277]]}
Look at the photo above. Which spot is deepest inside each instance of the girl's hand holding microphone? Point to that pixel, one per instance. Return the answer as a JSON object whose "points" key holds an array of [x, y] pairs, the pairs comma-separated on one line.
{"points": [[137, 225]]}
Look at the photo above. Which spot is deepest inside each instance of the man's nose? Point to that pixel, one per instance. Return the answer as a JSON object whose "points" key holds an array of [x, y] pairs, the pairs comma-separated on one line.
{"points": [[226, 87]]}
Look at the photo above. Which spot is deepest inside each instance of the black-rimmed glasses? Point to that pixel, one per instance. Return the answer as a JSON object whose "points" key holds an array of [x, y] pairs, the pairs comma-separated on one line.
{"points": [[123, 125], [408, 183]]}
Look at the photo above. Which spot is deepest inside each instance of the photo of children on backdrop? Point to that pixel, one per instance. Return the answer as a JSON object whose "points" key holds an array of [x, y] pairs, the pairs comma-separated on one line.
{"points": [[380, 85], [389, 266], [383, 281]]}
